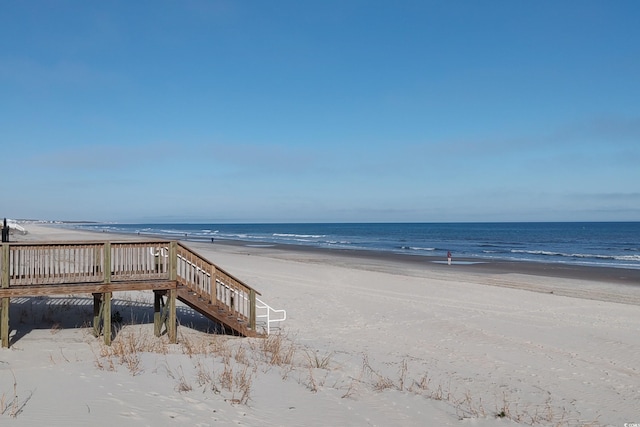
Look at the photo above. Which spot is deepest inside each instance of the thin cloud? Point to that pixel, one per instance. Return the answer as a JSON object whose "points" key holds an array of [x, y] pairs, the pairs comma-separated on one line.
{"points": [[606, 128], [32, 74], [610, 197], [102, 157], [271, 158], [612, 133]]}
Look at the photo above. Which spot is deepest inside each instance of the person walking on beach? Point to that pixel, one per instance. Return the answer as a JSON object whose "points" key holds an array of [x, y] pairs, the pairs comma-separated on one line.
{"points": [[449, 257]]}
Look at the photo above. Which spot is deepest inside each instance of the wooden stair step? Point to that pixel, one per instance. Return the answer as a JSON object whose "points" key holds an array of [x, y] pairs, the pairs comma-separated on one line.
{"points": [[217, 312]]}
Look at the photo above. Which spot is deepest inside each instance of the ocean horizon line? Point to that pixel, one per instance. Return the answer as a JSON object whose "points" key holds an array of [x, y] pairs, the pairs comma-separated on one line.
{"points": [[314, 222]]}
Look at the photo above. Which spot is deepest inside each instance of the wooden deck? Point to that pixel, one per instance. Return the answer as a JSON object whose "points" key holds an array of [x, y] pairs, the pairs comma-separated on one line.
{"points": [[169, 269]]}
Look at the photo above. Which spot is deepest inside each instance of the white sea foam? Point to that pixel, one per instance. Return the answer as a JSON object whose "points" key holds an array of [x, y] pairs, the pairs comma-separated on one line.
{"points": [[547, 253], [628, 258], [300, 236], [577, 255]]}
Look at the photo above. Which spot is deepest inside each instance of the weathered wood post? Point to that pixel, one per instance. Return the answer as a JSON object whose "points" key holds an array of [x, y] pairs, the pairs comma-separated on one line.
{"points": [[97, 314], [165, 314], [106, 317], [158, 305], [102, 316], [173, 261], [252, 310], [102, 301], [4, 323], [173, 276], [107, 262], [4, 304], [106, 297], [172, 326]]}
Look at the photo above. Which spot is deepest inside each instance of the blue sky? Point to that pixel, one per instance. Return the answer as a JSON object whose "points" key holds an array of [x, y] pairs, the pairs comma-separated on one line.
{"points": [[320, 111]]}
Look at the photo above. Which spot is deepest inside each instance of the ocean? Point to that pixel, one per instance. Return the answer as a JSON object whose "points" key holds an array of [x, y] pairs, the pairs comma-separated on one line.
{"points": [[610, 244]]}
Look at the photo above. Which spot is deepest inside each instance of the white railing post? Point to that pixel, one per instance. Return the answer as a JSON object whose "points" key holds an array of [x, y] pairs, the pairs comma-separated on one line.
{"points": [[267, 316]]}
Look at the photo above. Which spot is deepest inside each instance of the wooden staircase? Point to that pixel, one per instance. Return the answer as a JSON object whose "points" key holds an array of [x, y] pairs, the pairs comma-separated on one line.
{"points": [[166, 267], [215, 294]]}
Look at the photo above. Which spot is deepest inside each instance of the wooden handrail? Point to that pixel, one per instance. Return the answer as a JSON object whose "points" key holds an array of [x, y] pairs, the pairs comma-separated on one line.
{"points": [[214, 285], [81, 262]]}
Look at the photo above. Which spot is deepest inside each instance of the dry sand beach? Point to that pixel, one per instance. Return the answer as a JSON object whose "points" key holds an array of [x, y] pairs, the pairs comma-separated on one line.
{"points": [[368, 340]]}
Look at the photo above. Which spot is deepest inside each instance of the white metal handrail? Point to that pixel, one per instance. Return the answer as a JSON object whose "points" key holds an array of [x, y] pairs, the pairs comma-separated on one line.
{"points": [[263, 306]]}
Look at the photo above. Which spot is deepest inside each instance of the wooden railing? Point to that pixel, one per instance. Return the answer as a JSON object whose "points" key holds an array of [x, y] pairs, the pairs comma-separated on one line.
{"points": [[215, 286], [28, 269], [36, 264], [68, 263]]}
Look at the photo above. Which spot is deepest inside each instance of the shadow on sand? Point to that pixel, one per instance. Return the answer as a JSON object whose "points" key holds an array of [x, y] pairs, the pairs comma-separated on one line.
{"points": [[65, 312]]}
